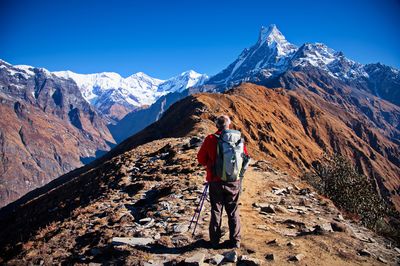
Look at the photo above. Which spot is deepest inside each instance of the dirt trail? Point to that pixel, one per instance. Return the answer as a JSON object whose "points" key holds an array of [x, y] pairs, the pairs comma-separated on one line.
{"points": [[331, 248], [151, 193]]}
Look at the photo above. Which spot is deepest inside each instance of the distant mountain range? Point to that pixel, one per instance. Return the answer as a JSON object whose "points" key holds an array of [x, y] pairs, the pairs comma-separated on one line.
{"points": [[115, 96], [273, 55], [54, 122]]}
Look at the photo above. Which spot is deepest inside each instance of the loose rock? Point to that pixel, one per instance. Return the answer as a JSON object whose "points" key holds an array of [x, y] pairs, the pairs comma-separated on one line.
{"points": [[270, 256], [273, 242], [195, 260], [364, 252], [338, 227], [217, 259], [231, 256], [291, 244], [266, 207], [397, 249], [246, 260], [297, 257], [181, 228], [132, 241], [323, 229], [382, 260]]}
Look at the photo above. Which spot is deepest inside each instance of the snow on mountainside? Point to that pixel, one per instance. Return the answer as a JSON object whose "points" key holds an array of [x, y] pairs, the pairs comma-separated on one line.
{"points": [[113, 95], [273, 55], [105, 90], [270, 54], [183, 81], [138, 89]]}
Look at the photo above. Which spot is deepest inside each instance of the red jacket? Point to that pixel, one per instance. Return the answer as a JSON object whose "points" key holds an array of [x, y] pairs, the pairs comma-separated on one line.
{"points": [[207, 156]]}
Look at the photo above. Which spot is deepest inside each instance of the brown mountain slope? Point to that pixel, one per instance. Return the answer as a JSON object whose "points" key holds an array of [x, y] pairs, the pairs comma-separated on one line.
{"points": [[75, 218], [36, 148], [160, 182], [291, 128], [46, 129]]}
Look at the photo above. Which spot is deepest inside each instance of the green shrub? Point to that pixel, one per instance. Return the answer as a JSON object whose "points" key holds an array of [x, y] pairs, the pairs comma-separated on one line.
{"points": [[337, 179]]}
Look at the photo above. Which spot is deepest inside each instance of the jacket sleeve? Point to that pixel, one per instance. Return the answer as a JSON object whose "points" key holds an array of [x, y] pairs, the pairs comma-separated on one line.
{"points": [[245, 163], [245, 150], [202, 155]]}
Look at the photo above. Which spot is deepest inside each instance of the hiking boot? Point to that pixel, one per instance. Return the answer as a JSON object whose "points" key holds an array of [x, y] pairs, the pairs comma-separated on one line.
{"points": [[214, 245], [233, 244], [236, 244]]}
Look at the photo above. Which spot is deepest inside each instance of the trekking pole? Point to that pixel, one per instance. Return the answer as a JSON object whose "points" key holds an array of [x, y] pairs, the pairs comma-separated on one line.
{"points": [[198, 209]]}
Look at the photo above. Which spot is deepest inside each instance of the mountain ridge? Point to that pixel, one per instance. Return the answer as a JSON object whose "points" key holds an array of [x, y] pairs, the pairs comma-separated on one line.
{"points": [[137, 179]]}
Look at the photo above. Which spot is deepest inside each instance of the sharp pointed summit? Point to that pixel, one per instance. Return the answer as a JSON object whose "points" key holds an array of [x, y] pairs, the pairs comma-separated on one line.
{"points": [[270, 34], [271, 52]]}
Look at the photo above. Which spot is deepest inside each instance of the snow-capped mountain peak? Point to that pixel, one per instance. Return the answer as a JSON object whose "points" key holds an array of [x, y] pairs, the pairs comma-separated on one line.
{"points": [[273, 55], [270, 34], [104, 90], [183, 81], [272, 37]]}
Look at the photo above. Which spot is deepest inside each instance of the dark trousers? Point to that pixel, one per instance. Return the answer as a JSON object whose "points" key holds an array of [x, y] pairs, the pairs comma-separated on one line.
{"points": [[224, 195]]}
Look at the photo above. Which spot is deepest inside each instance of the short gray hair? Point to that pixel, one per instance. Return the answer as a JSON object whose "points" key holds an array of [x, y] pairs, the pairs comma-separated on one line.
{"points": [[223, 122]]}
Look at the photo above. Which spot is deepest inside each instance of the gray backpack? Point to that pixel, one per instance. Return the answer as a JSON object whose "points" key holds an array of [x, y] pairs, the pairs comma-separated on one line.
{"points": [[230, 156]]}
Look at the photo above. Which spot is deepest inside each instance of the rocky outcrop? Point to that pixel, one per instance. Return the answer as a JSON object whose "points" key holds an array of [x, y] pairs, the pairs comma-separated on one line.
{"points": [[47, 129]]}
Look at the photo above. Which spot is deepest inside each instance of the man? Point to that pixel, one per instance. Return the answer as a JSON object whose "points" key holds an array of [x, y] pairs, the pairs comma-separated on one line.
{"points": [[223, 193]]}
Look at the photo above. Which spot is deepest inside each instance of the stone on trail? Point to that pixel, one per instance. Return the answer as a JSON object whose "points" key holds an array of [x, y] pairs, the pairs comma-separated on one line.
{"points": [[273, 242], [246, 260], [263, 227], [338, 227], [323, 229], [291, 244], [364, 252], [132, 241], [217, 259], [297, 257], [397, 249], [270, 256], [231, 256], [266, 207], [281, 209], [382, 260], [181, 228], [146, 220], [195, 260]]}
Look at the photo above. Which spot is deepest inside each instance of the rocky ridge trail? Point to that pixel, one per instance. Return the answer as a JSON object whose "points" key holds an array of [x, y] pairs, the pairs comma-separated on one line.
{"points": [[144, 202]]}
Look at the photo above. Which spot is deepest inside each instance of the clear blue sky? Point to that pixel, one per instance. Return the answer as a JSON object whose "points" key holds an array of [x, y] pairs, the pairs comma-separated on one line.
{"points": [[164, 38]]}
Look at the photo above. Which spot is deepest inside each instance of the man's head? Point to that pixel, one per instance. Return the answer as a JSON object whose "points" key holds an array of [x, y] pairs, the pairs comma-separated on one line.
{"points": [[223, 122]]}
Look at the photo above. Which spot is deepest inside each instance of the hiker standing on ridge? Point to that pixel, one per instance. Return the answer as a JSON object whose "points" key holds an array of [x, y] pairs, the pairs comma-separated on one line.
{"points": [[226, 158]]}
